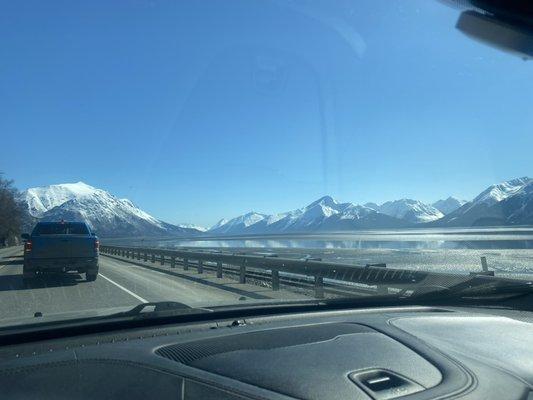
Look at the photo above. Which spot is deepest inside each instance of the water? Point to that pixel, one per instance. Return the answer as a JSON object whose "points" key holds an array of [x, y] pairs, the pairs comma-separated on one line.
{"points": [[509, 251]]}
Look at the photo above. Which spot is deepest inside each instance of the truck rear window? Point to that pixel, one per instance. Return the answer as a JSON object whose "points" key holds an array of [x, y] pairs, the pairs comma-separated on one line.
{"points": [[61, 229]]}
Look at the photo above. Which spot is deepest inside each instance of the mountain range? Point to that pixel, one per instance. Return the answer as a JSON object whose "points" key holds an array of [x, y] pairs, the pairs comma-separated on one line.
{"points": [[506, 203]]}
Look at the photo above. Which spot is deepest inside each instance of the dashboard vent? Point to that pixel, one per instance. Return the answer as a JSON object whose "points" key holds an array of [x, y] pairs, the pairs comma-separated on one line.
{"points": [[187, 353]]}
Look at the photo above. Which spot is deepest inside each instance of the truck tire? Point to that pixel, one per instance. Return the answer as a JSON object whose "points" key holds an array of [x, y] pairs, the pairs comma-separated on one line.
{"points": [[27, 279], [91, 276], [27, 275]]}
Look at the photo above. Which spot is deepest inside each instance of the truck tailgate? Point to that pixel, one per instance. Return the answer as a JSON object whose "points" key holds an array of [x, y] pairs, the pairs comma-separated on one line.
{"points": [[81, 246], [63, 246]]}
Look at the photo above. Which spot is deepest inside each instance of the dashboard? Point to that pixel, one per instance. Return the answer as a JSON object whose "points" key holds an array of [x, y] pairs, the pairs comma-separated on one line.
{"points": [[388, 353]]}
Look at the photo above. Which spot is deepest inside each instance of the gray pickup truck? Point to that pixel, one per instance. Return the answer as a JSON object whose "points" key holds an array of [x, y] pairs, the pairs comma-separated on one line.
{"points": [[60, 247]]}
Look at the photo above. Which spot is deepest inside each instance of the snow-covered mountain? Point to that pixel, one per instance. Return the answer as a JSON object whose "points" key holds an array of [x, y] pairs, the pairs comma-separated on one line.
{"points": [[518, 208], [219, 224], [324, 214], [410, 210], [506, 203], [238, 224], [448, 205], [105, 213], [192, 226], [501, 191], [372, 205]]}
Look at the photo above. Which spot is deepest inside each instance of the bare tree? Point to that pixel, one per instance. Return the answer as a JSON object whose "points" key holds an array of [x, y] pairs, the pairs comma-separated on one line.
{"points": [[10, 213]]}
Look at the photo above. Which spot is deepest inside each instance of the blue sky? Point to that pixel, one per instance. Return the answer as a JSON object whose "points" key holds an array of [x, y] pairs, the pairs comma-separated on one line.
{"points": [[202, 110]]}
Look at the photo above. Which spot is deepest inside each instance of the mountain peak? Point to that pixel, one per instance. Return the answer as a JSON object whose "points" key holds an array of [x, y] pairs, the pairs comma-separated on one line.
{"points": [[448, 205], [82, 186], [192, 226], [498, 192], [327, 201], [411, 210], [371, 205], [221, 222]]}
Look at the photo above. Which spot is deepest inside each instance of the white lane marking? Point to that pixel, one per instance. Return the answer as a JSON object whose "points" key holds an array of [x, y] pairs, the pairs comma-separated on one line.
{"points": [[123, 288]]}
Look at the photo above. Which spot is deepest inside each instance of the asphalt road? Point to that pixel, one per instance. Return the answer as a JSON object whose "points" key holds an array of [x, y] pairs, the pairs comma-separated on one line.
{"points": [[121, 283]]}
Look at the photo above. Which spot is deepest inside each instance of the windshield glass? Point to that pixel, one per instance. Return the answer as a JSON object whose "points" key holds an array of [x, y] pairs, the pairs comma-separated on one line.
{"points": [[250, 152]]}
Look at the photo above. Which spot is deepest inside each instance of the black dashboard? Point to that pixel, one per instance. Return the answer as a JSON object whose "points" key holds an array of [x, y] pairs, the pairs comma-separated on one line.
{"points": [[408, 353]]}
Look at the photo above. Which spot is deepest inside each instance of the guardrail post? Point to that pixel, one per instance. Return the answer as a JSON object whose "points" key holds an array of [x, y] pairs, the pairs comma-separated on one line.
{"points": [[219, 269], [200, 267], [484, 265], [162, 259], [484, 268], [275, 279], [185, 264], [153, 258], [172, 262], [242, 272], [145, 256], [319, 287]]}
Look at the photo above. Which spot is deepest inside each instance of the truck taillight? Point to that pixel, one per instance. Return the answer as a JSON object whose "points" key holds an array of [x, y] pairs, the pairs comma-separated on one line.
{"points": [[27, 246], [96, 244]]}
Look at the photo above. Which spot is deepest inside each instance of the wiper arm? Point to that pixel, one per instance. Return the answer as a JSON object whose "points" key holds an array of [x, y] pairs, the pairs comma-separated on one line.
{"points": [[158, 308], [472, 289]]}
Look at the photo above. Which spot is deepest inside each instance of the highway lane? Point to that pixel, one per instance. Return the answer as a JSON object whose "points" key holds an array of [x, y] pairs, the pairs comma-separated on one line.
{"points": [[121, 283], [55, 294]]}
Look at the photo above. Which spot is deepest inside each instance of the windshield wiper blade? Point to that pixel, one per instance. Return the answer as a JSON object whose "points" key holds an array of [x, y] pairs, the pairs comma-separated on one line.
{"points": [[158, 308], [473, 289]]}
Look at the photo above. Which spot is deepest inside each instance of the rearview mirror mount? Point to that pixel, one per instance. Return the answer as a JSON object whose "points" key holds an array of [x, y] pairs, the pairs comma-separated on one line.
{"points": [[510, 37]]}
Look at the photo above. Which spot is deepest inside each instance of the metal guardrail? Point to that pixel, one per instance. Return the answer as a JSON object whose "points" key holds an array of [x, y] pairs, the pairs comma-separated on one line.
{"points": [[320, 275]]}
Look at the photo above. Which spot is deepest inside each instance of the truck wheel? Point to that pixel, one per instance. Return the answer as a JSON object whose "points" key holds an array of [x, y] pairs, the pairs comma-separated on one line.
{"points": [[27, 275], [27, 278], [91, 276]]}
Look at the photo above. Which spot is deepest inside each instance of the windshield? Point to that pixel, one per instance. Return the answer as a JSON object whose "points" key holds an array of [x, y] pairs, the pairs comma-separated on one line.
{"points": [[241, 153]]}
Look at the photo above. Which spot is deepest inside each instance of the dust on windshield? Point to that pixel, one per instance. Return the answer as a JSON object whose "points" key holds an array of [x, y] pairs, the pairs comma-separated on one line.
{"points": [[259, 151]]}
